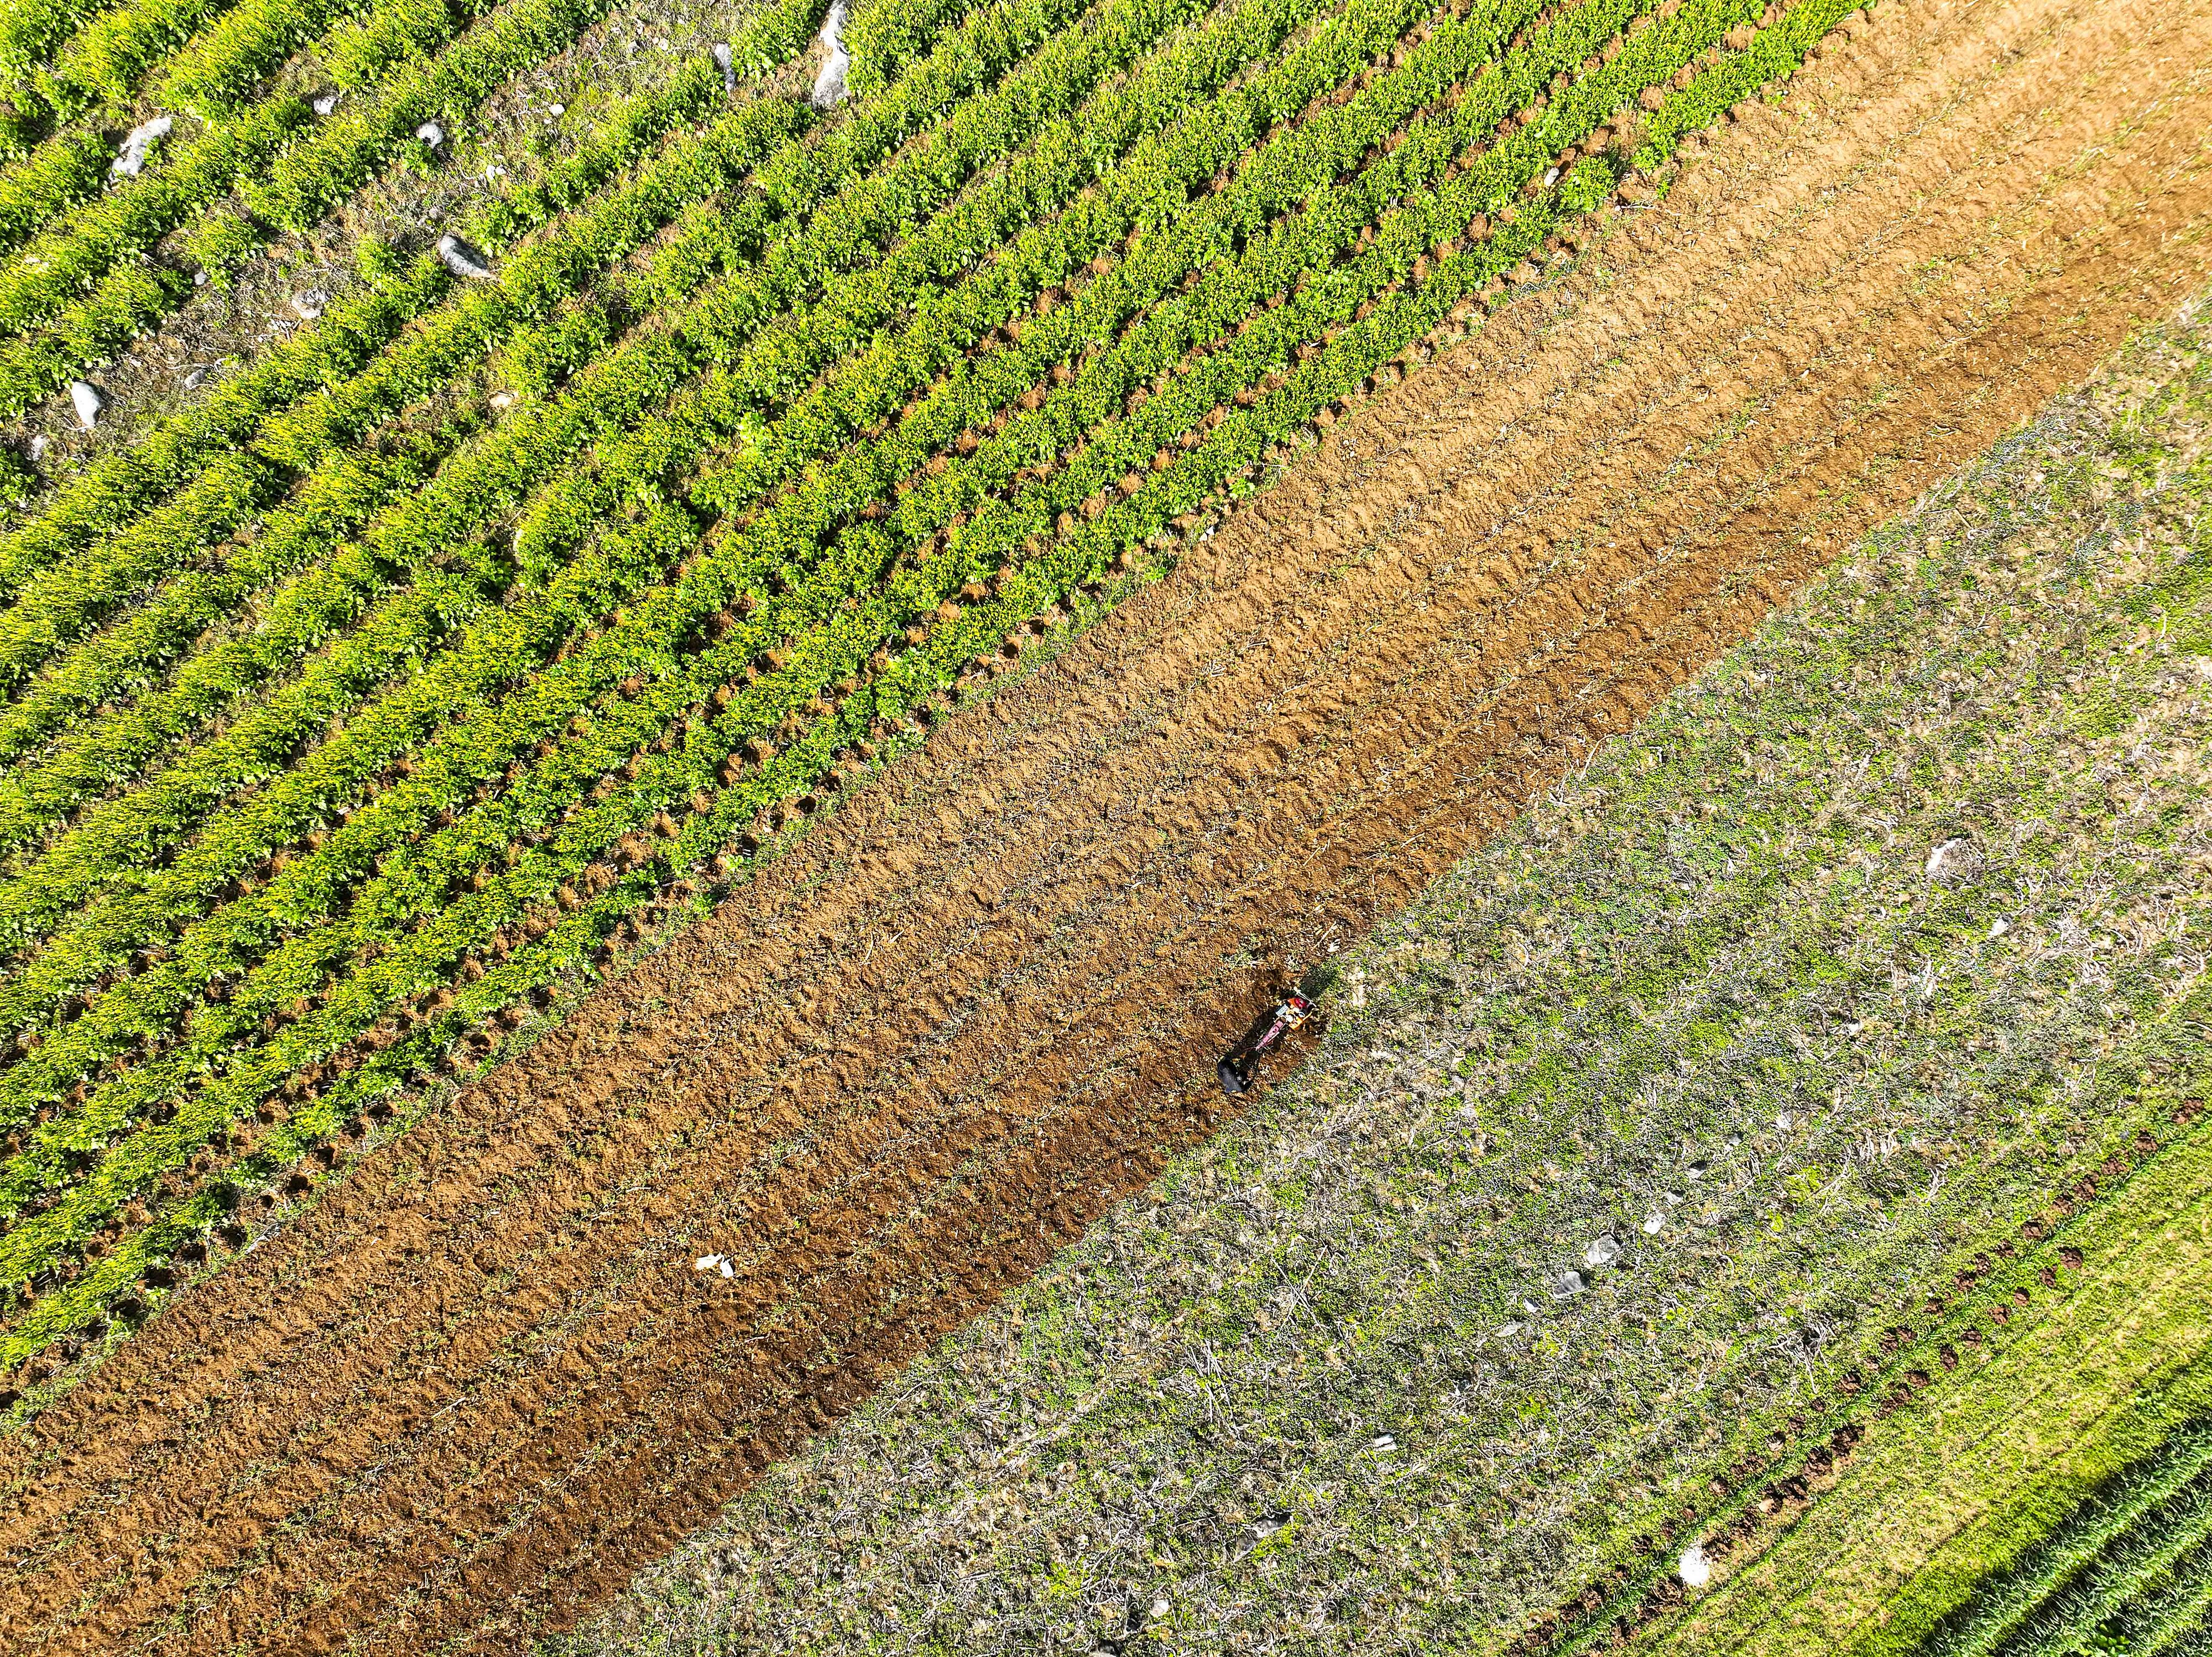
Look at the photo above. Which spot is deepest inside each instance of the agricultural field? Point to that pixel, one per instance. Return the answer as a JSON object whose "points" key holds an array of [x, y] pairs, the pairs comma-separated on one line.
{"points": [[668, 671], [1703, 1164]]}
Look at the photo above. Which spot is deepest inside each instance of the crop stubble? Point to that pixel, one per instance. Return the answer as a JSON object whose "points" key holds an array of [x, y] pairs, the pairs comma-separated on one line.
{"points": [[479, 1383]]}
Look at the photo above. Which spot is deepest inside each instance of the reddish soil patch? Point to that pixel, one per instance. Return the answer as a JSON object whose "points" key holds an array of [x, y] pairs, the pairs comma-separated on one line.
{"points": [[480, 1383]]}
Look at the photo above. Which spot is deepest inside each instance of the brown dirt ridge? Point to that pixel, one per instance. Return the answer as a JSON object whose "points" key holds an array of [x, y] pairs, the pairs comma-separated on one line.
{"points": [[479, 1384]]}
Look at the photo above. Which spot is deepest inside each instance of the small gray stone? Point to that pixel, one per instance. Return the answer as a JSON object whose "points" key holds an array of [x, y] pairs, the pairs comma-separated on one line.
{"points": [[1695, 1568], [1567, 1285], [130, 160], [1604, 1249], [324, 103], [462, 260], [1954, 860], [431, 134], [310, 304], [830, 84], [88, 403]]}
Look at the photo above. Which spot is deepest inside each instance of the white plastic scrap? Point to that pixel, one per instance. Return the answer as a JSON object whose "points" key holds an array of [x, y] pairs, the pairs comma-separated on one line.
{"points": [[1653, 1222], [728, 65], [130, 160], [716, 1263], [431, 134], [1385, 1441], [1567, 1285], [1694, 1568], [462, 260], [829, 85], [89, 402]]}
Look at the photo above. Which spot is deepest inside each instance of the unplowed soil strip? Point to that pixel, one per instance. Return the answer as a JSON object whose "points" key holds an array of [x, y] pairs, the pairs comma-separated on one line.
{"points": [[481, 1383]]}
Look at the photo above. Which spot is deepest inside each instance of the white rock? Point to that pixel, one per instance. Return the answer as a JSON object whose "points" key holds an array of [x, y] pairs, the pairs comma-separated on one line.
{"points": [[462, 260], [1653, 1222], [1603, 1250], [728, 65], [1784, 1121], [1567, 1285], [431, 134], [38, 442], [327, 104], [830, 84], [1505, 1329], [502, 399], [1954, 860], [199, 278], [1159, 1608], [311, 303], [1999, 928], [89, 402], [130, 160], [1694, 1568], [559, 110]]}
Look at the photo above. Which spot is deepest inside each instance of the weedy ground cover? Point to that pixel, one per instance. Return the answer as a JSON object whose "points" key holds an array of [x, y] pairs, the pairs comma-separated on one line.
{"points": [[345, 737], [1657, 1129], [2044, 1477]]}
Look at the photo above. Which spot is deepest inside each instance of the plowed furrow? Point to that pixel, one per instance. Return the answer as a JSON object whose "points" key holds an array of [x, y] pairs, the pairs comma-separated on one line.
{"points": [[480, 1383]]}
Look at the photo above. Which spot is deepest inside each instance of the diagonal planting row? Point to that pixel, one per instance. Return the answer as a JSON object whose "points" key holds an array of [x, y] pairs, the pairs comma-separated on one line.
{"points": [[815, 617], [307, 437], [725, 319], [82, 288]]}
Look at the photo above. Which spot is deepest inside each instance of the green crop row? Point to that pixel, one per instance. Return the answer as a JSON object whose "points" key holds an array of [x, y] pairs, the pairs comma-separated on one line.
{"points": [[618, 392], [284, 186], [104, 499], [79, 595], [2153, 1502], [74, 595], [1367, 296], [212, 76], [503, 649], [2068, 1620]]}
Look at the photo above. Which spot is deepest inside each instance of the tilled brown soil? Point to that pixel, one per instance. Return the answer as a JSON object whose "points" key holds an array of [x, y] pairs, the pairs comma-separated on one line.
{"points": [[481, 1383]]}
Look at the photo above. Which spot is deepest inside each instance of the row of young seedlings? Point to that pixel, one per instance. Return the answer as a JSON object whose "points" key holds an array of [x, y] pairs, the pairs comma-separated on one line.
{"points": [[1129, 504], [507, 646], [125, 835], [292, 437], [122, 487], [1752, 1495], [287, 172], [2106, 1555], [341, 491]]}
